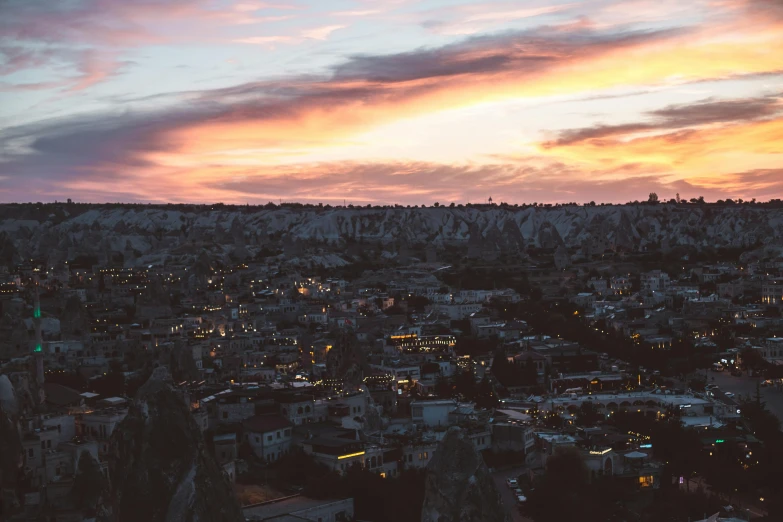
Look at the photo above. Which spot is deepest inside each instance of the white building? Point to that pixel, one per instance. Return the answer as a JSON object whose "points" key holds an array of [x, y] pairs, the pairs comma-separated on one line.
{"points": [[772, 291], [431, 413], [100, 424], [268, 435], [654, 281]]}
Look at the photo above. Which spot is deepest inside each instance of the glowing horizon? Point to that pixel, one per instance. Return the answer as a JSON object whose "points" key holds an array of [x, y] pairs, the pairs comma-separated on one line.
{"points": [[384, 102]]}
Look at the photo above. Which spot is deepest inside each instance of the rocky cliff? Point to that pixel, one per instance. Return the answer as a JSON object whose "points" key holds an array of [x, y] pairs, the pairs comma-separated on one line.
{"points": [[159, 230], [459, 487], [160, 468]]}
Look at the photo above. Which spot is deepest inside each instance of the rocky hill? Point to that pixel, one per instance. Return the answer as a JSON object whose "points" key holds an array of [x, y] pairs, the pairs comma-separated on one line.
{"points": [[160, 468], [458, 486], [138, 230]]}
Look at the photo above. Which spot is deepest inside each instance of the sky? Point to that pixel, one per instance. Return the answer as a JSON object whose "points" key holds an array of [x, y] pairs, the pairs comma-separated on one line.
{"points": [[390, 101]]}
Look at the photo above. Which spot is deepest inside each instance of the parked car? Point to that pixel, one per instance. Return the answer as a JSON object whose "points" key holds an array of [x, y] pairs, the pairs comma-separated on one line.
{"points": [[512, 483], [521, 499], [729, 395]]}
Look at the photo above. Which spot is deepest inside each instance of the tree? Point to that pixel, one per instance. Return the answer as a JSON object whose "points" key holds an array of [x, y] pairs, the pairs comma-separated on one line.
{"points": [[587, 415], [485, 396], [443, 387], [653, 198], [465, 385]]}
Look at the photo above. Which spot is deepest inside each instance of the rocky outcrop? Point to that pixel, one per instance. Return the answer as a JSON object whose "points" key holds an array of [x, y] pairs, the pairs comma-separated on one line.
{"points": [[459, 487], [160, 467], [8, 400], [10, 462], [160, 229]]}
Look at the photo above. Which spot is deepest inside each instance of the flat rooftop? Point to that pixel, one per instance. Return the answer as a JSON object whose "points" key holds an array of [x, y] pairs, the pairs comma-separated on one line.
{"points": [[283, 506]]}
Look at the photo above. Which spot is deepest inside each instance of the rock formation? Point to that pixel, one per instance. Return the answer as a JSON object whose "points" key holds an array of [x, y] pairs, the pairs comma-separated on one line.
{"points": [[459, 487], [161, 470]]}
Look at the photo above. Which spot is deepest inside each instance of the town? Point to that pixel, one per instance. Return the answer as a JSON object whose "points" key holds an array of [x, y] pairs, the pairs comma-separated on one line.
{"points": [[526, 375]]}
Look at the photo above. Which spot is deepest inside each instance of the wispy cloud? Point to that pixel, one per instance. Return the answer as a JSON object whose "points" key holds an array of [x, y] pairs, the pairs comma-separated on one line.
{"points": [[679, 117]]}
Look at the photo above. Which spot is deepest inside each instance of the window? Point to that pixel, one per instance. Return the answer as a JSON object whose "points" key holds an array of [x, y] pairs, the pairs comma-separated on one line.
{"points": [[278, 434], [31, 453], [307, 409], [43, 444], [269, 438], [426, 455], [257, 439], [287, 432], [646, 482], [49, 443], [225, 414], [299, 410]]}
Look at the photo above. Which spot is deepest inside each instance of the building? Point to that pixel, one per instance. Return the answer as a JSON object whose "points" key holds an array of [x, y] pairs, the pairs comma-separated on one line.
{"points": [[100, 424], [431, 413], [620, 285], [235, 406], [298, 408], [225, 447], [337, 453], [583, 300], [772, 291], [268, 435], [654, 281]]}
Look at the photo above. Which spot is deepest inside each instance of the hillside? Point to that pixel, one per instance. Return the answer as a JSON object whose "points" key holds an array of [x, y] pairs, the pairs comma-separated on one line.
{"points": [[30, 231]]}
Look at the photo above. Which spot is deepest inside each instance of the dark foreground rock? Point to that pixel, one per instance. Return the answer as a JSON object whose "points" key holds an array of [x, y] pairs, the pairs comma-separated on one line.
{"points": [[161, 470], [459, 487]]}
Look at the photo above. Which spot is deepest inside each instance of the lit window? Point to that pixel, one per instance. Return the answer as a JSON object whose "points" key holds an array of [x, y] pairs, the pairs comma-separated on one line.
{"points": [[646, 482]]}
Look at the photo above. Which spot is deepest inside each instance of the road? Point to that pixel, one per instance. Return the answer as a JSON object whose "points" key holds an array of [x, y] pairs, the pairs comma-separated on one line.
{"points": [[745, 386], [507, 495]]}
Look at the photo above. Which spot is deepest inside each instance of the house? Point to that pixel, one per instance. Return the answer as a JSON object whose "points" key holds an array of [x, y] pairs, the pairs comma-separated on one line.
{"points": [[418, 455], [654, 281], [236, 406], [620, 285], [431, 413], [225, 447], [479, 319], [583, 300], [100, 424], [336, 453], [298, 408], [598, 285], [268, 435], [772, 291]]}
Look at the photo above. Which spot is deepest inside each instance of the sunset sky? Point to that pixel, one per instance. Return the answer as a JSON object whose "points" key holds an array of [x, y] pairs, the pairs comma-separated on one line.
{"points": [[390, 101]]}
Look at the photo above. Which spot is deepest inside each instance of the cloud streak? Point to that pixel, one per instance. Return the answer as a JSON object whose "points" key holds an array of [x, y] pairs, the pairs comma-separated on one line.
{"points": [[679, 117]]}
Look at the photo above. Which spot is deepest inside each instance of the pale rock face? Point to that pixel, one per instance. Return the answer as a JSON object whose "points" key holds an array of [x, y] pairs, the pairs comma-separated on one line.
{"points": [[459, 487], [8, 396], [505, 228]]}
